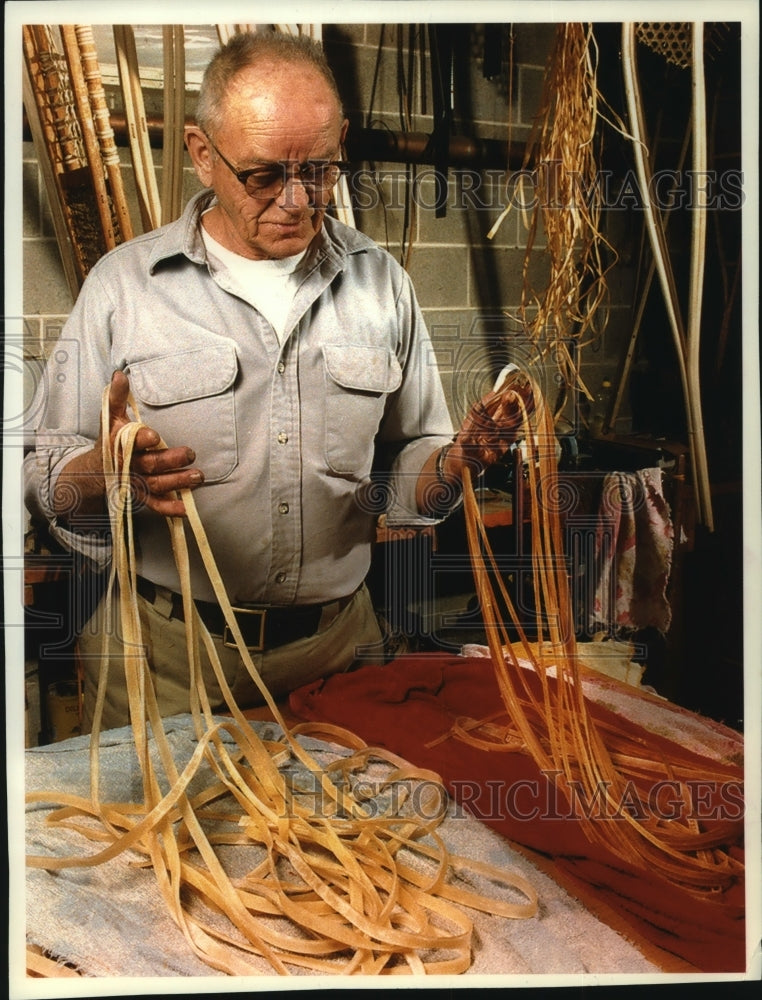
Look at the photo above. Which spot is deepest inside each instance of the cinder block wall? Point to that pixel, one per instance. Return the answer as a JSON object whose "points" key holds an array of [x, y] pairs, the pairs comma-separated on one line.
{"points": [[468, 285]]}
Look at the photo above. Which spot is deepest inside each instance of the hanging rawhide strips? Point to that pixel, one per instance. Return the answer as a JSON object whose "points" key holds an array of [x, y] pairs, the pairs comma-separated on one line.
{"points": [[564, 305], [547, 716]]}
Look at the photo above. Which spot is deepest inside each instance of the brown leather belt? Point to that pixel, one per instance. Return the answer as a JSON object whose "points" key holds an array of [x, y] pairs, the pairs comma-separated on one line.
{"points": [[262, 626]]}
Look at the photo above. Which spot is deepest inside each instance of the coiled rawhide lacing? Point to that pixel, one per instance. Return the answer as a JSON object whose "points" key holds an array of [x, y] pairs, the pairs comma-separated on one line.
{"points": [[340, 887]]}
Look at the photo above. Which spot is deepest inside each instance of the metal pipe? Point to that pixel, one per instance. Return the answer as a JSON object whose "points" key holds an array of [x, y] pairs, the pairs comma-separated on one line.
{"points": [[386, 146], [376, 145]]}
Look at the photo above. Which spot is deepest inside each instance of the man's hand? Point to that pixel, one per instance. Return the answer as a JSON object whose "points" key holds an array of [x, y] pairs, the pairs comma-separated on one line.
{"points": [[155, 472], [491, 426]]}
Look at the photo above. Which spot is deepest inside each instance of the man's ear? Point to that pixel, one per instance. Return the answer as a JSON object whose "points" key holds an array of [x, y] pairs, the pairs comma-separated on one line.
{"points": [[201, 153]]}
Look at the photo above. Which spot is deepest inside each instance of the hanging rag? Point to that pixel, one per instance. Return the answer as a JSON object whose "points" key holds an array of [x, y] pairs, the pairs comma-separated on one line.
{"points": [[633, 552]]}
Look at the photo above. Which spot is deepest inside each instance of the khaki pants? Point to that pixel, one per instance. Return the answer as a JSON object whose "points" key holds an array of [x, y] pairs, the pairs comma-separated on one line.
{"points": [[350, 638]]}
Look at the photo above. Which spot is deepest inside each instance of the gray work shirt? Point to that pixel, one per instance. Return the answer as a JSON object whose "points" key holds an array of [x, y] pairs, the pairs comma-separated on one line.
{"points": [[287, 434]]}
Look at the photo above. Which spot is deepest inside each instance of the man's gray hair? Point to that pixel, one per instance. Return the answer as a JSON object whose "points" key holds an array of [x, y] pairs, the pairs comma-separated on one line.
{"points": [[246, 49]]}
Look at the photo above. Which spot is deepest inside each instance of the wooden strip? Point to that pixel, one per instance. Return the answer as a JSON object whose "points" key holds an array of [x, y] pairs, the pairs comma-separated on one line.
{"points": [[657, 237], [696, 280], [39, 966], [179, 43], [343, 203], [134, 111], [174, 122], [168, 146]]}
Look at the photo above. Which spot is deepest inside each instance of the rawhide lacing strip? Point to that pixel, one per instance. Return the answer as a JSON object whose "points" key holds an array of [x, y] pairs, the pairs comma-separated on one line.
{"points": [[595, 765], [365, 890]]}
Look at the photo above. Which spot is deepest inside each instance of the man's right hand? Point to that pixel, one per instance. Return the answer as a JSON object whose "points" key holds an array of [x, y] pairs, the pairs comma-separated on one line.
{"points": [[155, 472]]}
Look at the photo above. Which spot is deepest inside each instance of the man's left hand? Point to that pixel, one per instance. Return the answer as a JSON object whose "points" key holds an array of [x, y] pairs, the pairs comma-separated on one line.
{"points": [[491, 426]]}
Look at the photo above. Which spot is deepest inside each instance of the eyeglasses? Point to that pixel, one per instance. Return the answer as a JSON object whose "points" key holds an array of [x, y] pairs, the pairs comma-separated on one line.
{"points": [[268, 181]]}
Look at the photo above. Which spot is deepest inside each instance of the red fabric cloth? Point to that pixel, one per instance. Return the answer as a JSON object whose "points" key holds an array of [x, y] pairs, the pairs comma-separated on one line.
{"points": [[408, 703]]}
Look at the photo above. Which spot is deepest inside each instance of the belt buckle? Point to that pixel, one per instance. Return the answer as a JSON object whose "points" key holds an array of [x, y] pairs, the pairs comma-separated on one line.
{"points": [[227, 636]]}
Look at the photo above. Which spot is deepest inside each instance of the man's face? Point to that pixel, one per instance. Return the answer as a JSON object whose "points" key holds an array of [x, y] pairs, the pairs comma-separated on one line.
{"points": [[272, 114]]}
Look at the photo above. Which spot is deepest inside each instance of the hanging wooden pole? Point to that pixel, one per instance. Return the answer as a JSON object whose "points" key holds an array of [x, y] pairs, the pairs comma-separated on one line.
{"points": [[89, 138], [660, 252], [174, 122], [134, 111], [103, 129], [697, 264]]}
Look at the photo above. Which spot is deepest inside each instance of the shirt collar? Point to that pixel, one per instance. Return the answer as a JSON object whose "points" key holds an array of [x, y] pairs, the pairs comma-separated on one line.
{"points": [[183, 236]]}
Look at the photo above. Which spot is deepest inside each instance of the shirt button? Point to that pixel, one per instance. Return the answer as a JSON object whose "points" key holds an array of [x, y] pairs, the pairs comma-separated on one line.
{"points": [[280, 578], [282, 437], [283, 508], [281, 367]]}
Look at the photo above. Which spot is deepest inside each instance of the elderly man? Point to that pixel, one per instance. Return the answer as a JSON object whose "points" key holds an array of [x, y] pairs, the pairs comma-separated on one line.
{"points": [[283, 359]]}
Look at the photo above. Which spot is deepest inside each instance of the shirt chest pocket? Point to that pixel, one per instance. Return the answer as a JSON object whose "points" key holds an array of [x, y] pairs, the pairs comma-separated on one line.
{"points": [[189, 399], [358, 380]]}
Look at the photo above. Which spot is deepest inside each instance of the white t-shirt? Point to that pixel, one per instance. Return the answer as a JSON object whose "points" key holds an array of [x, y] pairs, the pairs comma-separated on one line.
{"points": [[269, 285]]}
